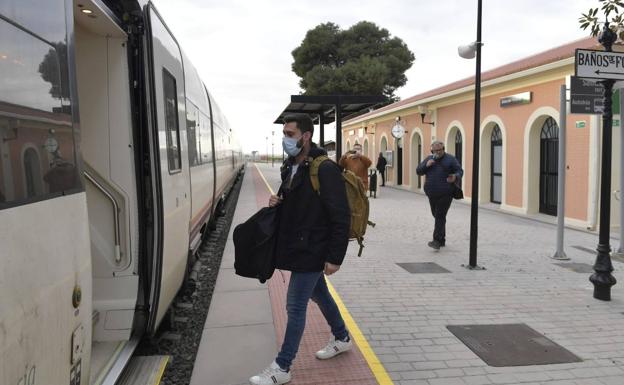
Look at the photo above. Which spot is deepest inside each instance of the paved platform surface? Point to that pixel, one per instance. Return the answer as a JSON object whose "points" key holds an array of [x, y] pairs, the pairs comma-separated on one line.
{"points": [[404, 316]]}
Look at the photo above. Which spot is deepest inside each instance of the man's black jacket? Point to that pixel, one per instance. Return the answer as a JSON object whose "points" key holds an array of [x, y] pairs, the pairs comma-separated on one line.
{"points": [[436, 184], [314, 228]]}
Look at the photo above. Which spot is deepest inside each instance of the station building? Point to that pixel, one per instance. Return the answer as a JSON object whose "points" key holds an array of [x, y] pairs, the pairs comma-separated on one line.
{"points": [[519, 133]]}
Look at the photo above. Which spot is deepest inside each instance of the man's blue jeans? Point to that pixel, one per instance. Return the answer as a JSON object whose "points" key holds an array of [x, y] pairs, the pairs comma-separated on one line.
{"points": [[303, 287]]}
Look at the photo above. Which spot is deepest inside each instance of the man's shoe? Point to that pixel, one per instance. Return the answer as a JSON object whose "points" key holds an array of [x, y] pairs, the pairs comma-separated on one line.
{"points": [[434, 245], [334, 347], [272, 375]]}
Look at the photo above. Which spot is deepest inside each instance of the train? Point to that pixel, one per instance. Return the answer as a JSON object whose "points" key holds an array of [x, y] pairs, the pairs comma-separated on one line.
{"points": [[114, 163]]}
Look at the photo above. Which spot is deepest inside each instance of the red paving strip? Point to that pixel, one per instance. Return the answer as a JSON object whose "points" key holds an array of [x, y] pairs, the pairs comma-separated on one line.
{"points": [[346, 369], [262, 190]]}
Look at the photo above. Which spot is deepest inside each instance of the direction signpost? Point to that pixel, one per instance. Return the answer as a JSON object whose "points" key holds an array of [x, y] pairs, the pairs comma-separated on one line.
{"points": [[599, 64], [608, 66], [586, 96]]}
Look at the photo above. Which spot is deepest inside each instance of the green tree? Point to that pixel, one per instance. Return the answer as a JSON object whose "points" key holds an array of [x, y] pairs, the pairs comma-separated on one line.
{"points": [[361, 60], [53, 69], [592, 21]]}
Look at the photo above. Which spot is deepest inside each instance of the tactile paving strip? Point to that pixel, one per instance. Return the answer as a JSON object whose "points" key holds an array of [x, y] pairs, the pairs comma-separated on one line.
{"points": [[349, 368]]}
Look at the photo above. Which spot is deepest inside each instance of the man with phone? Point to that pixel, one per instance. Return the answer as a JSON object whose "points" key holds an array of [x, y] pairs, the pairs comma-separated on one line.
{"points": [[442, 171], [356, 162]]}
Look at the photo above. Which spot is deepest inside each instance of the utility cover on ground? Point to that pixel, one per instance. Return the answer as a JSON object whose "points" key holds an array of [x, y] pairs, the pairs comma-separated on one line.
{"points": [[423, 268], [511, 345]]}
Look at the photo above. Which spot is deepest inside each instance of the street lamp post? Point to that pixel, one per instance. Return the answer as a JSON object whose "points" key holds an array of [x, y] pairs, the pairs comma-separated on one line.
{"points": [[602, 278], [469, 52]]}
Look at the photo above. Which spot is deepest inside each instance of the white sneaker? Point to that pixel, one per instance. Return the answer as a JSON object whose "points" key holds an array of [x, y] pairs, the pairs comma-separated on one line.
{"points": [[272, 375], [333, 348]]}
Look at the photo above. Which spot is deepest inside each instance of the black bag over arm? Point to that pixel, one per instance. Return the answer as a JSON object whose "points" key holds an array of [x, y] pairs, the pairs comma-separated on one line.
{"points": [[254, 245]]}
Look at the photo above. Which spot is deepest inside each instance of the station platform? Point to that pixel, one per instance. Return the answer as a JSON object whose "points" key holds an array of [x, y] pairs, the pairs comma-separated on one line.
{"points": [[404, 320]]}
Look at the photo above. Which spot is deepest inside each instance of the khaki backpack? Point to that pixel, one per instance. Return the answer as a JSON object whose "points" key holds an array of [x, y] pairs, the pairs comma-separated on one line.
{"points": [[356, 195]]}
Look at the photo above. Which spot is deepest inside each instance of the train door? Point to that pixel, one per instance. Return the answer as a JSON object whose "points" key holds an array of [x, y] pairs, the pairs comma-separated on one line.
{"points": [[45, 275], [168, 128]]}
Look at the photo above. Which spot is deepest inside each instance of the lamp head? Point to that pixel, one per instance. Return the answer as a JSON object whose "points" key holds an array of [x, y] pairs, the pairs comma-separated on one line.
{"points": [[467, 51]]}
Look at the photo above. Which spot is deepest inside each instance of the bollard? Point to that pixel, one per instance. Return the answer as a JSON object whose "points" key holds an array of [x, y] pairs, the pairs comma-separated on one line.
{"points": [[372, 183]]}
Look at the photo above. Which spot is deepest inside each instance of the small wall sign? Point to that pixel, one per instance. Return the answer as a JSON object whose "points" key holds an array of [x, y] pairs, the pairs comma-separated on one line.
{"points": [[522, 98]]}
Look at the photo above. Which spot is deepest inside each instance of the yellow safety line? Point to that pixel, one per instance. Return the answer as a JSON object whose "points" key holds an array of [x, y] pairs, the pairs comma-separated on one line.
{"points": [[373, 362], [161, 372], [264, 179]]}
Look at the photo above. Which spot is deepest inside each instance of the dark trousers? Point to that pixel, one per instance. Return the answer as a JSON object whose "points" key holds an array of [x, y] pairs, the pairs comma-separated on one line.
{"points": [[301, 288], [383, 177], [439, 207]]}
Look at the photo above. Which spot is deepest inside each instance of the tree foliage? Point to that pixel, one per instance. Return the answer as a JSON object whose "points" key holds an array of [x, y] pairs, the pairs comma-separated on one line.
{"points": [[592, 20], [361, 60], [53, 69]]}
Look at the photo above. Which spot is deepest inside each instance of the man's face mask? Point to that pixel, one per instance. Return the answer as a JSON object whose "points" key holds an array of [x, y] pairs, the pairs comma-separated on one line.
{"points": [[437, 153], [292, 146]]}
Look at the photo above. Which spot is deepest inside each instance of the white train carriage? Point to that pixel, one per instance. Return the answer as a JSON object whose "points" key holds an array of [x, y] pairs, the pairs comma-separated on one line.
{"points": [[113, 157]]}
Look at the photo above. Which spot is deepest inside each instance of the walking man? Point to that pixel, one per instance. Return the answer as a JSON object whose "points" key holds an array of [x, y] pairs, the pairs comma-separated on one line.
{"points": [[312, 240], [442, 171], [356, 162], [381, 167]]}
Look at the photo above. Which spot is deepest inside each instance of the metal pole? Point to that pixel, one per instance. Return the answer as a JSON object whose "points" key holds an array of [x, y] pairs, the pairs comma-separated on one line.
{"points": [[474, 199], [338, 129], [272, 148], [621, 248], [602, 278], [560, 253], [321, 130]]}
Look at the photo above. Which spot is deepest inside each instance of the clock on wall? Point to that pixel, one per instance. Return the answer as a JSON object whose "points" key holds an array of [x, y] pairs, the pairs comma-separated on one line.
{"points": [[398, 130]]}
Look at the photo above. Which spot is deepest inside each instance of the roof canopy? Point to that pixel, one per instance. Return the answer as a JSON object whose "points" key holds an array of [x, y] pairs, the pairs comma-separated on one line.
{"points": [[325, 105]]}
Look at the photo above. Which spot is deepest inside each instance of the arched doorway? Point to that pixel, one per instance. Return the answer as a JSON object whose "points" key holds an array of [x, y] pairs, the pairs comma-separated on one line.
{"points": [[32, 173], [549, 163], [459, 144], [496, 175], [416, 156]]}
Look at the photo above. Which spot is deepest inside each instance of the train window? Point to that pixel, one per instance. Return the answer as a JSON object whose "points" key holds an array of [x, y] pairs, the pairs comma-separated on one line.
{"points": [[205, 139], [172, 129], [28, 13], [193, 134], [37, 156]]}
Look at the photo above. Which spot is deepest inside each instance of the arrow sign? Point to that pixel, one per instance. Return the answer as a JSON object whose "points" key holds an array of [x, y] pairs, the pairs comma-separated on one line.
{"points": [[599, 64]]}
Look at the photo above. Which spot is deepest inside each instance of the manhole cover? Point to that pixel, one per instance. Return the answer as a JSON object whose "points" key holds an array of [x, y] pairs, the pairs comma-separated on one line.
{"points": [[511, 345], [423, 268], [577, 267]]}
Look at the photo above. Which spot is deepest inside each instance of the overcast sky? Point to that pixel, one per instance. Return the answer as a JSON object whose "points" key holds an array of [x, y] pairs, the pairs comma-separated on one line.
{"points": [[242, 48]]}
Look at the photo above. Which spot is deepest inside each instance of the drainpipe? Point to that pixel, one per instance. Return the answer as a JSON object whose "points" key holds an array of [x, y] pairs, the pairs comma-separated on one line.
{"points": [[618, 194]]}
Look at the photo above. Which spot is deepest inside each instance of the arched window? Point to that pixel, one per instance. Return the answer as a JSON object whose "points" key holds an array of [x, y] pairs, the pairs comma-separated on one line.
{"points": [[459, 141], [496, 181], [550, 129], [32, 173]]}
